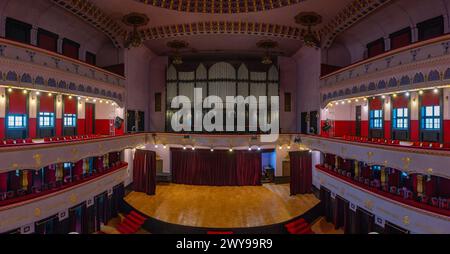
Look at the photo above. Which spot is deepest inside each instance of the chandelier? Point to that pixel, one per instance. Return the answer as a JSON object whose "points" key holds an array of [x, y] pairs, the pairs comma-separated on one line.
{"points": [[309, 19], [176, 46], [267, 45], [134, 38]]}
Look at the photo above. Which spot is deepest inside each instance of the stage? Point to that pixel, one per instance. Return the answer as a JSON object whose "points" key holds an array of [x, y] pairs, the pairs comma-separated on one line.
{"points": [[222, 207]]}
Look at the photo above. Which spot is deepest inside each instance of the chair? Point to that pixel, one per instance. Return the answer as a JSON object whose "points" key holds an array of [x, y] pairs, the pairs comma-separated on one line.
{"points": [[20, 141], [435, 201], [28, 141], [416, 144], [10, 142], [396, 142], [425, 144], [401, 192], [437, 145], [67, 179], [2, 143]]}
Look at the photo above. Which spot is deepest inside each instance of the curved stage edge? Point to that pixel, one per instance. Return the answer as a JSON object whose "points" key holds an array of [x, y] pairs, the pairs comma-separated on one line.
{"points": [[156, 226]]}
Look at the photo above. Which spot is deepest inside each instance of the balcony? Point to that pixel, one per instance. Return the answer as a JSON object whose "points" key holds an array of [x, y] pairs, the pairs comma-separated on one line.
{"points": [[413, 216], [27, 66], [39, 154], [421, 160], [419, 65]]}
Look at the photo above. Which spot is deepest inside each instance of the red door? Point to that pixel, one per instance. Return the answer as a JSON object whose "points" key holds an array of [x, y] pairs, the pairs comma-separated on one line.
{"points": [[90, 116]]}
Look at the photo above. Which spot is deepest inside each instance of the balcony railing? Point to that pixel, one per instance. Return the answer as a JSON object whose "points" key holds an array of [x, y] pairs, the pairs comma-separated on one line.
{"points": [[412, 215], [24, 65], [427, 161], [415, 66]]}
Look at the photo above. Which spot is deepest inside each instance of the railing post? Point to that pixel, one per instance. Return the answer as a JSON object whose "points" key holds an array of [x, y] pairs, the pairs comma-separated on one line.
{"points": [[34, 36]]}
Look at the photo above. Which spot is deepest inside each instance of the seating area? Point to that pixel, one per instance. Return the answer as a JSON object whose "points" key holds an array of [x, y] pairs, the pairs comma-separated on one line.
{"points": [[71, 138], [299, 227], [12, 142], [131, 223], [402, 192], [383, 141]]}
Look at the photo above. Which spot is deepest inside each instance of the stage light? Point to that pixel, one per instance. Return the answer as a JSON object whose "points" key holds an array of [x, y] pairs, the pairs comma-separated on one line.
{"points": [[421, 92]]}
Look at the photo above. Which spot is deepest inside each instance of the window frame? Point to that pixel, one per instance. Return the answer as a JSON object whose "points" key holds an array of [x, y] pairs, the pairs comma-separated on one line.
{"points": [[374, 119], [433, 118], [72, 117], [44, 116], [404, 119], [15, 116]]}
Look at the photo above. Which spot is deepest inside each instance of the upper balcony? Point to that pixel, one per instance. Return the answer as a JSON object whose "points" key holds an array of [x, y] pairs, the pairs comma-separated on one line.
{"points": [[26, 66], [419, 65]]}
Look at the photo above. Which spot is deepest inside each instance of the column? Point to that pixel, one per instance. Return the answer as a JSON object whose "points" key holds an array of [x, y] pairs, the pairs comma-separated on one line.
{"points": [[387, 43], [3, 26], [415, 34], [60, 45], [446, 24], [82, 54], [34, 36]]}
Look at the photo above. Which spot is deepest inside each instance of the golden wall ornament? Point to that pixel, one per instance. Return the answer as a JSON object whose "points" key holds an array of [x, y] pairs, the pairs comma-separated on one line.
{"points": [[406, 162], [37, 159], [37, 212], [406, 220]]}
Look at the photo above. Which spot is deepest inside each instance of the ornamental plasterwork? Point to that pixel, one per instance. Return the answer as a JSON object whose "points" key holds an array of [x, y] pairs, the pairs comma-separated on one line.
{"points": [[351, 14], [220, 6], [93, 15], [224, 27]]}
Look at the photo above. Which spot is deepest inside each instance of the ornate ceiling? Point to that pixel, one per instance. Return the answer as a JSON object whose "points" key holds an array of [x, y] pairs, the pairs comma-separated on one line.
{"points": [[273, 19], [220, 6]]}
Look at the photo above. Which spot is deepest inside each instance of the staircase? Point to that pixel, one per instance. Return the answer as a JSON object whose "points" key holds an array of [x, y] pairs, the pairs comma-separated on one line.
{"points": [[299, 227], [131, 223]]}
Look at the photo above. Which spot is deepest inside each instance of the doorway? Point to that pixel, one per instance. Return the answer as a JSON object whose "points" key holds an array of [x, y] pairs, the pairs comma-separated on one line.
{"points": [[90, 118], [358, 121]]}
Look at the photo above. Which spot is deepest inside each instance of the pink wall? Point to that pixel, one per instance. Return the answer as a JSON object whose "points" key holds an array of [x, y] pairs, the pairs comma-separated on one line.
{"points": [[288, 84], [158, 67]]}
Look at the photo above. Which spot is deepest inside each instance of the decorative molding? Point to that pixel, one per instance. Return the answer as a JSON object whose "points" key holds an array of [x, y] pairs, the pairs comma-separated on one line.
{"points": [[220, 6], [93, 15], [351, 14], [223, 27]]}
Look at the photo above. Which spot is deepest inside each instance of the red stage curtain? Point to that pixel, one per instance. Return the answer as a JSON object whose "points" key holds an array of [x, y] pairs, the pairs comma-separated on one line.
{"points": [[17, 102], [144, 171], [218, 168], [70, 105], [3, 182], [430, 99], [249, 167], [301, 172], [46, 103]]}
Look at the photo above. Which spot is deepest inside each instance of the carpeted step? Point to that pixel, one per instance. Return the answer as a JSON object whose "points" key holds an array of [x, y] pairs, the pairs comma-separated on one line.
{"points": [[131, 224], [125, 229], [293, 224], [138, 216], [298, 228], [304, 231], [136, 220]]}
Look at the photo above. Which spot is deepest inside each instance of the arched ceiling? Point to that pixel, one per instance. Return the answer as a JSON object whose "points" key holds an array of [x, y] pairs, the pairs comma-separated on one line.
{"points": [[207, 24]]}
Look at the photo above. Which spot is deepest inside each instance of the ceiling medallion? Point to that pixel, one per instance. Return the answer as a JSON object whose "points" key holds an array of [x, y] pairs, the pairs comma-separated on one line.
{"points": [[309, 19], [134, 38], [267, 45], [177, 45]]}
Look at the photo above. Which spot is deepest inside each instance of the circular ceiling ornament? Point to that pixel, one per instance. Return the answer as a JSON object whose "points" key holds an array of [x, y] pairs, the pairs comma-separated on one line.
{"points": [[267, 45], [309, 19], [134, 19]]}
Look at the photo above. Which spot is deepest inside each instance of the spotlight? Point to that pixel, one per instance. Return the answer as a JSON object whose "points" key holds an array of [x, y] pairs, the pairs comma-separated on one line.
{"points": [[259, 148], [231, 150], [25, 91], [407, 94], [10, 89], [384, 96], [38, 93], [421, 92], [79, 98], [49, 94], [365, 99], [212, 149], [310, 151], [94, 100], [343, 102], [289, 147], [101, 101], [336, 103], [193, 148], [349, 101], [436, 90], [280, 147], [356, 100], [249, 148], [70, 96], [184, 148], [107, 102], [156, 146], [164, 147], [394, 95]]}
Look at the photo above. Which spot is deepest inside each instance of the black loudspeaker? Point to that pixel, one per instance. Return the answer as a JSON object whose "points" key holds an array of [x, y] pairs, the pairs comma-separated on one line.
{"points": [[118, 122]]}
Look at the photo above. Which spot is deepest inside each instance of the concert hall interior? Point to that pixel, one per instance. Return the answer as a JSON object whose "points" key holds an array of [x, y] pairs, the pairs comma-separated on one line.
{"points": [[224, 117]]}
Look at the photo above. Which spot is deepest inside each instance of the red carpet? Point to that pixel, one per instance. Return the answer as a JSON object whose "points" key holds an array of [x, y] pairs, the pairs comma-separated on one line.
{"points": [[131, 223]]}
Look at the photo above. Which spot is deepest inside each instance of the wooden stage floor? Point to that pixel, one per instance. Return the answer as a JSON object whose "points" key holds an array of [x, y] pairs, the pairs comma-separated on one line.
{"points": [[222, 207]]}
